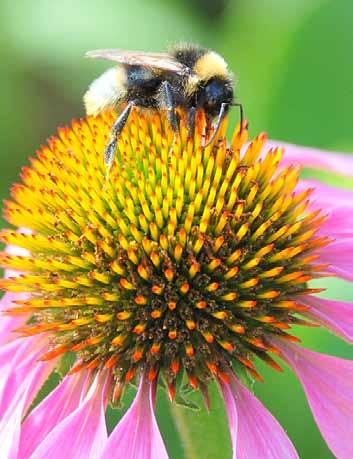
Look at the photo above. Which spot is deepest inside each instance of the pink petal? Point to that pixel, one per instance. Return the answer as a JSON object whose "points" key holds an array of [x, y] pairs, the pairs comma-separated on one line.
{"points": [[338, 205], [339, 255], [17, 359], [335, 203], [327, 197], [10, 424], [232, 413], [137, 435], [82, 434], [11, 428], [339, 223], [9, 323], [15, 250], [255, 433], [59, 404], [328, 384], [21, 377], [314, 158], [337, 316]]}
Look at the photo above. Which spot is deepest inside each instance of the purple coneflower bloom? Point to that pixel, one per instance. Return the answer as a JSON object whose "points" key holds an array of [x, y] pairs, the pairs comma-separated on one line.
{"points": [[185, 264]]}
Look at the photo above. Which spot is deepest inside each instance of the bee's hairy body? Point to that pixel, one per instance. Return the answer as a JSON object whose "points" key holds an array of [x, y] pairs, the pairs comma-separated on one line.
{"points": [[189, 77]]}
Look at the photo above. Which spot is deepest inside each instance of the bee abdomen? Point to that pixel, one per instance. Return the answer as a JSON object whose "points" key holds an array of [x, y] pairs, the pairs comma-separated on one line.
{"points": [[106, 91]]}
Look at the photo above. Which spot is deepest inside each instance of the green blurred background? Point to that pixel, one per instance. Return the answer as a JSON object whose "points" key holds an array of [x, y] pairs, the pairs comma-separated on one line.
{"points": [[294, 62]]}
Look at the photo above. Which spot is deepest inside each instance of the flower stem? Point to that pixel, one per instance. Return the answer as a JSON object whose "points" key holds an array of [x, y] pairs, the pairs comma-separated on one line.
{"points": [[204, 435]]}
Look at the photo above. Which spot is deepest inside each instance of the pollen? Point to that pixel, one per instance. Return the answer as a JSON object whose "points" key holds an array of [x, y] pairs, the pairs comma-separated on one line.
{"points": [[184, 258]]}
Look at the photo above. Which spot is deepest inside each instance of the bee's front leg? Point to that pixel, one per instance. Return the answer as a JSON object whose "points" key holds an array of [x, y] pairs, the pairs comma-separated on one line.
{"points": [[191, 121], [115, 131], [166, 99]]}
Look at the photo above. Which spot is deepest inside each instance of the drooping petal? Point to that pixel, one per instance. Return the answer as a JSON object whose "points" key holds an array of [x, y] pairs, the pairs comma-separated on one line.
{"points": [[59, 404], [340, 163], [232, 413], [15, 250], [255, 433], [82, 434], [9, 323], [137, 435], [328, 384], [21, 378], [17, 360], [10, 424], [337, 316], [10, 429]]}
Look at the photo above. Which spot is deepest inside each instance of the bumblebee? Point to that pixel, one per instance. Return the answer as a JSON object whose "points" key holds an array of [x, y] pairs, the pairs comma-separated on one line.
{"points": [[188, 77]]}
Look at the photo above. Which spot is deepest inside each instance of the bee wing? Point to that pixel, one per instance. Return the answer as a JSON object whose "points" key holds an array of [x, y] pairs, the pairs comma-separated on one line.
{"points": [[162, 61]]}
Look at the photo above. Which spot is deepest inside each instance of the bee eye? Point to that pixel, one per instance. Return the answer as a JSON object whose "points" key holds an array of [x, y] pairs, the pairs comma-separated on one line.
{"points": [[213, 91]]}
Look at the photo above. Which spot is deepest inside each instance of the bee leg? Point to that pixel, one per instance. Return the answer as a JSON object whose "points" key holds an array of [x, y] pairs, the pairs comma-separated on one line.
{"points": [[118, 126], [208, 126], [167, 102], [191, 121], [221, 115]]}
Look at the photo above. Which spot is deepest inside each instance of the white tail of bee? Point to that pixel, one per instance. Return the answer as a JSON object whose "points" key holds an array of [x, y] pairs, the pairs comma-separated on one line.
{"points": [[106, 91]]}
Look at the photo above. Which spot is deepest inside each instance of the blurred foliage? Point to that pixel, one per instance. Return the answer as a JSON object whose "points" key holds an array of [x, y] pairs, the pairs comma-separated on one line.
{"points": [[211, 10], [293, 62]]}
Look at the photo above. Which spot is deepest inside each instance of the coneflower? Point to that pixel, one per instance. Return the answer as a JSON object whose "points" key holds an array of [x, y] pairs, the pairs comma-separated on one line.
{"points": [[183, 264]]}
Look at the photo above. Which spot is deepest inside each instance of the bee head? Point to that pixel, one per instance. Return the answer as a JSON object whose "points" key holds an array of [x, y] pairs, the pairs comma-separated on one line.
{"points": [[214, 93]]}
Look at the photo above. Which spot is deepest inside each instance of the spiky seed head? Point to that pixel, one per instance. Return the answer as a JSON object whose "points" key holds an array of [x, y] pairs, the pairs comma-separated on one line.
{"points": [[183, 260]]}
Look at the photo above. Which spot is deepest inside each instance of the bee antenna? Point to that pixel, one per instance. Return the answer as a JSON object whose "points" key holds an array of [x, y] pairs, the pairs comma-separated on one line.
{"points": [[241, 111]]}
